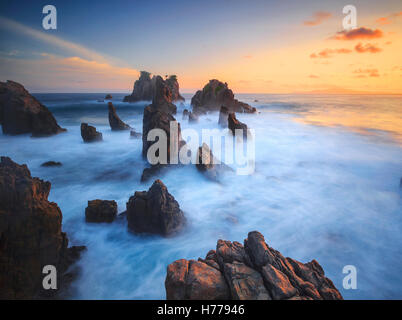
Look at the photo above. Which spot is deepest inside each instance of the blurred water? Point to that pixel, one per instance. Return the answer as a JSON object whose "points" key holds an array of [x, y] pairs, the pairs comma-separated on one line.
{"points": [[325, 187]]}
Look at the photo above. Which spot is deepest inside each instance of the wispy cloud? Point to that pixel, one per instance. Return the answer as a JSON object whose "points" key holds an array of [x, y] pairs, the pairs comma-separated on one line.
{"points": [[317, 18], [358, 33], [328, 53], [362, 73], [389, 19], [368, 47]]}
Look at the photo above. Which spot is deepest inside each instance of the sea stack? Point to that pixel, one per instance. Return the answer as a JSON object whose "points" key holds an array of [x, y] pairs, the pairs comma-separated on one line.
{"points": [[21, 113], [235, 124], [31, 235], [215, 94], [89, 133], [254, 271], [116, 124]]}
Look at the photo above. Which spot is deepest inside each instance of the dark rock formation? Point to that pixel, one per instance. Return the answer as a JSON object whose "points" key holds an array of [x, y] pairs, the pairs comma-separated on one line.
{"points": [[21, 113], [154, 211], [89, 133], [115, 122], [214, 95], [210, 166], [101, 211], [31, 236], [108, 97], [251, 272], [235, 124], [185, 114], [145, 88], [51, 164], [135, 135], [223, 117], [192, 117]]}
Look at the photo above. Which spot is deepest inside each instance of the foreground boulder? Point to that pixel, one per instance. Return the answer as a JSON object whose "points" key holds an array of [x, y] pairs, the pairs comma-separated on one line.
{"points": [[101, 211], [235, 124], [89, 133], [145, 88], [21, 113], [223, 117], [214, 95], [251, 272], [31, 236], [115, 122], [154, 211]]}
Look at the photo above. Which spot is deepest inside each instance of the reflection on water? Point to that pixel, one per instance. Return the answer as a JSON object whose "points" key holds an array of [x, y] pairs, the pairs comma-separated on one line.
{"points": [[318, 192]]}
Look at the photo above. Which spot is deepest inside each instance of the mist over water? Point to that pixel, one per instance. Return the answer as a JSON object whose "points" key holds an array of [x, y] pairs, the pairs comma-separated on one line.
{"points": [[325, 187]]}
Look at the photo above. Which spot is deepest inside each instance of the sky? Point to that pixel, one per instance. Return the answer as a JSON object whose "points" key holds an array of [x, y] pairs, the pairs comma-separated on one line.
{"points": [[255, 46]]}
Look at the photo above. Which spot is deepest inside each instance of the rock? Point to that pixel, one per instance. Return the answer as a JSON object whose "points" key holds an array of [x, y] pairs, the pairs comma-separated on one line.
{"points": [[223, 117], [101, 211], [210, 166], [400, 183], [21, 113], [89, 133], [214, 95], [31, 235], [185, 114], [252, 272], [145, 88], [255, 100], [51, 164], [154, 211], [135, 135], [115, 122], [192, 118], [108, 97], [235, 124]]}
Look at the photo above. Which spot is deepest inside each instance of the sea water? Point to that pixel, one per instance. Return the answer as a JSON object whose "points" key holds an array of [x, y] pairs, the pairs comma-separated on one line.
{"points": [[325, 187]]}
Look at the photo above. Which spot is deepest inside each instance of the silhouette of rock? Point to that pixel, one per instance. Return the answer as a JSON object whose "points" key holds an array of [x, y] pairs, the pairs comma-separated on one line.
{"points": [[31, 236], [115, 122], [154, 211], [101, 211], [214, 95], [251, 272], [89, 133], [235, 124], [21, 113], [51, 164], [173, 84]]}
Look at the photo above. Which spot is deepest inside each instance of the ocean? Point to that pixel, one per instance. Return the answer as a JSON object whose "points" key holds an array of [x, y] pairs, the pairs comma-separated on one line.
{"points": [[325, 187]]}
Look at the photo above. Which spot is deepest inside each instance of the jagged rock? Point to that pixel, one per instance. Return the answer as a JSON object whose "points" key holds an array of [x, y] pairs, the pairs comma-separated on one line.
{"points": [[210, 166], [195, 280], [89, 133], [214, 95], [134, 134], [145, 88], [51, 164], [235, 124], [108, 97], [31, 236], [154, 211], [101, 211], [115, 122], [185, 114], [223, 117], [21, 113], [253, 271]]}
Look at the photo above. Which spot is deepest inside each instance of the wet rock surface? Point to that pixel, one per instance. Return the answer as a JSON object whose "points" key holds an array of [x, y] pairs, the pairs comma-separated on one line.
{"points": [[215, 94], [235, 124], [31, 235], [115, 122], [89, 133], [21, 113], [154, 211], [101, 211], [254, 271]]}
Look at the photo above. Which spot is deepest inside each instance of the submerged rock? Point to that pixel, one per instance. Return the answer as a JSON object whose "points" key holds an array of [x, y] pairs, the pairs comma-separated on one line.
{"points": [[154, 211], [192, 117], [251, 272], [101, 211], [145, 88], [223, 117], [185, 114], [31, 235], [135, 135], [51, 164], [215, 94], [89, 133], [235, 124], [21, 113], [115, 122]]}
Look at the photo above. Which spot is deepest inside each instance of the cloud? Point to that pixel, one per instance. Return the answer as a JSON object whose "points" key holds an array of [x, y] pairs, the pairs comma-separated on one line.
{"points": [[328, 53], [358, 33], [389, 19], [362, 73], [317, 18], [367, 48], [313, 76]]}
